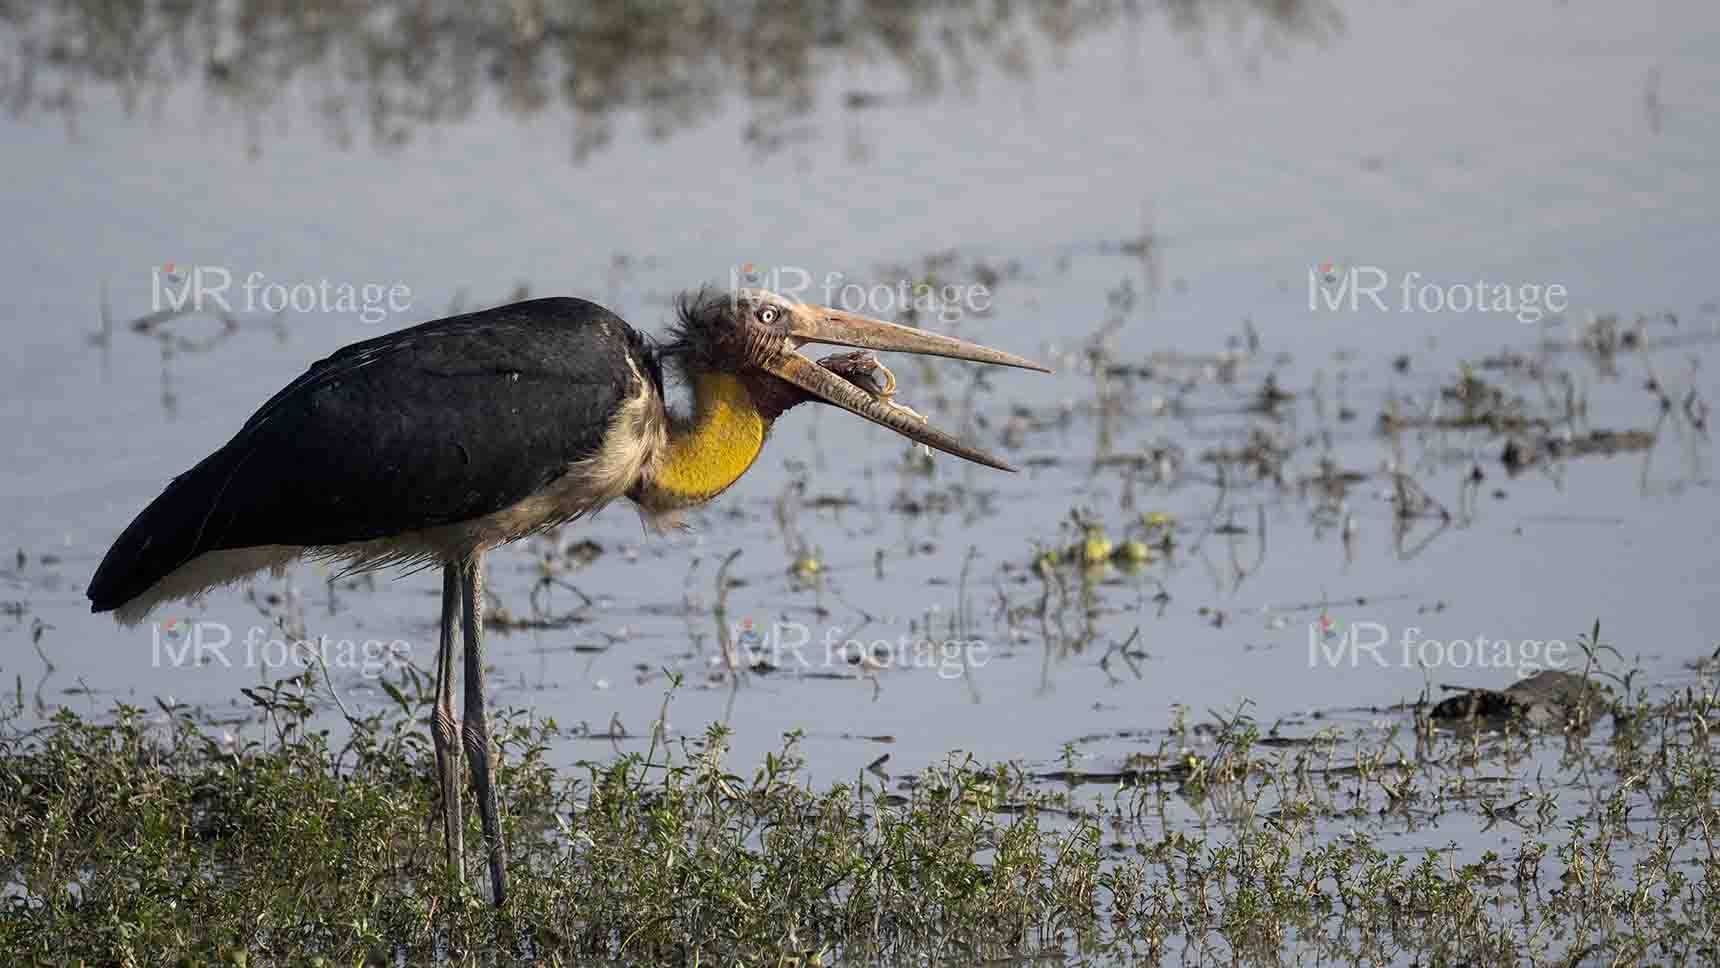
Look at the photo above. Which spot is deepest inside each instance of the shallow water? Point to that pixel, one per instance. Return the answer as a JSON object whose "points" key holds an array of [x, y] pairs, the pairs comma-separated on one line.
{"points": [[1179, 181]]}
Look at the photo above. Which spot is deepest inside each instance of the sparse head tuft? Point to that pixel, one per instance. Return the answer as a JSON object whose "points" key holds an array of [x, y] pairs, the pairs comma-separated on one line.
{"points": [[729, 331]]}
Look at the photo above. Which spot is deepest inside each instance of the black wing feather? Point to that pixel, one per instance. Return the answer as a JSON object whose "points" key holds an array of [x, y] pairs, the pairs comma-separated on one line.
{"points": [[443, 422]]}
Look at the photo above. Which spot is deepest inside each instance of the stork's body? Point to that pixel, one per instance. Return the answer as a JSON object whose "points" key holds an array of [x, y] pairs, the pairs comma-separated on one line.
{"points": [[436, 443]]}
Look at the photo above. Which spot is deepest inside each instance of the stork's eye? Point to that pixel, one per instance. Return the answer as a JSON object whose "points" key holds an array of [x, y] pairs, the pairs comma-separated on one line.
{"points": [[767, 314]]}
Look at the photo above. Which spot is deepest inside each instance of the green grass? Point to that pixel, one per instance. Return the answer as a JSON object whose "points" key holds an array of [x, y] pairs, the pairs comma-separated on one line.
{"points": [[144, 839]]}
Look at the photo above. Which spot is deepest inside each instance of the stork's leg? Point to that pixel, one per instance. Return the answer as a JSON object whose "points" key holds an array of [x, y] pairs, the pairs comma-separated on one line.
{"points": [[443, 729], [479, 750]]}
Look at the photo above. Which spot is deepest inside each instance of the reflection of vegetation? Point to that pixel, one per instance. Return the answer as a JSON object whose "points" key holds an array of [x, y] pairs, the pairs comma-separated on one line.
{"points": [[393, 65]]}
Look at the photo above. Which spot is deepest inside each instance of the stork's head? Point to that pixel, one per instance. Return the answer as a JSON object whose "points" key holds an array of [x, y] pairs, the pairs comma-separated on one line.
{"points": [[757, 334]]}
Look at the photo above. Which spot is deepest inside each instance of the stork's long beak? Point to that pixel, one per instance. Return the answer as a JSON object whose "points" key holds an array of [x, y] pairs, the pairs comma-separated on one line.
{"points": [[816, 324]]}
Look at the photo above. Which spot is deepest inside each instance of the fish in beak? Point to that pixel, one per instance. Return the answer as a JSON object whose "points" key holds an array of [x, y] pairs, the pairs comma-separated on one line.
{"points": [[817, 324]]}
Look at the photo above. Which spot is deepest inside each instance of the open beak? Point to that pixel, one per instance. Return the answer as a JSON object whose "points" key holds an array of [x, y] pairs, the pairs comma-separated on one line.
{"points": [[816, 324]]}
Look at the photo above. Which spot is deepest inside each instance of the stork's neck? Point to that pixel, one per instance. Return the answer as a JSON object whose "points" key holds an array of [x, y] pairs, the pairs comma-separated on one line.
{"points": [[708, 450]]}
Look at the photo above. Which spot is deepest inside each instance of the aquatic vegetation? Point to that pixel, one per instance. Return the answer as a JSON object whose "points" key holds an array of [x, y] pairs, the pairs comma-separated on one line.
{"points": [[147, 838]]}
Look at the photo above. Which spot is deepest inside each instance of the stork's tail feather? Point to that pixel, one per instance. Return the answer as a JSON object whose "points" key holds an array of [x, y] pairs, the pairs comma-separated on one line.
{"points": [[171, 531]]}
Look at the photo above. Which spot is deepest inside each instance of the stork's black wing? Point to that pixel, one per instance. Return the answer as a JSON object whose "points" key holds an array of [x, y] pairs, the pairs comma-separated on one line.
{"points": [[443, 422]]}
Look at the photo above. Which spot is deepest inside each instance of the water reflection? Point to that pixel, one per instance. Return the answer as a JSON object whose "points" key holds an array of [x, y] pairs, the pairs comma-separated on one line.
{"points": [[379, 71]]}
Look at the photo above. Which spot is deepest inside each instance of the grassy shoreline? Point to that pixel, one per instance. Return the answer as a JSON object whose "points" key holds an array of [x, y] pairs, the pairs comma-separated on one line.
{"points": [[147, 838]]}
